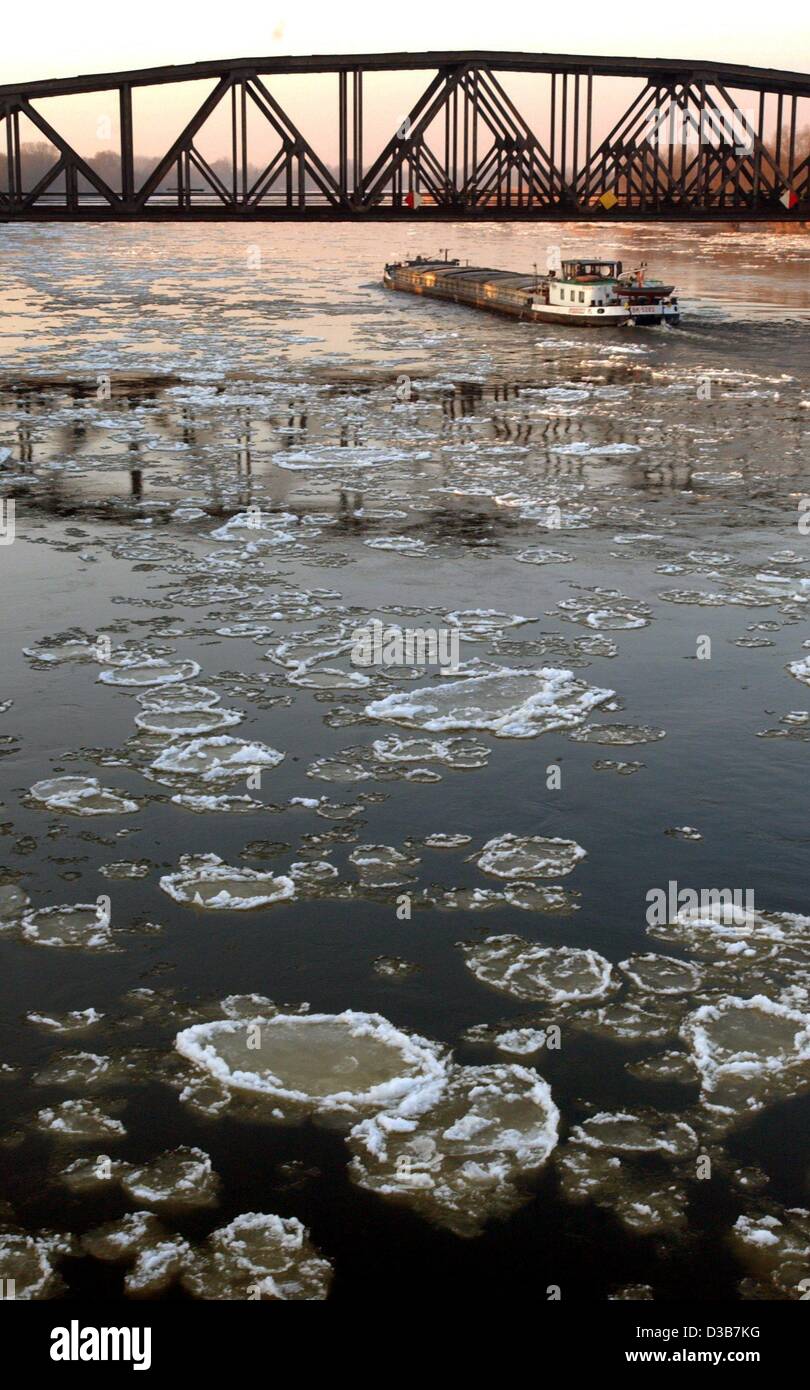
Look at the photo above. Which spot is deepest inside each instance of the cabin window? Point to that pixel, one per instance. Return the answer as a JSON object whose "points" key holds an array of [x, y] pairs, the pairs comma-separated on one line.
{"points": [[562, 294], [581, 297]]}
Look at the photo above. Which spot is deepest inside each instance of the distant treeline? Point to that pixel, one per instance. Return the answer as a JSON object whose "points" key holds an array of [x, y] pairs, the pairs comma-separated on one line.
{"points": [[38, 157]]}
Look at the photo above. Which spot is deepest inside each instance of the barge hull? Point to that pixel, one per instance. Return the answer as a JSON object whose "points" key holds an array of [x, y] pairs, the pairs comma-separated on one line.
{"points": [[516, 295], [472, 298]]}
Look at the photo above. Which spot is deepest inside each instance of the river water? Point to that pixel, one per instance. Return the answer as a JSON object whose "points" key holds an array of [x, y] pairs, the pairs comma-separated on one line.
{"points": [[229, 450]]}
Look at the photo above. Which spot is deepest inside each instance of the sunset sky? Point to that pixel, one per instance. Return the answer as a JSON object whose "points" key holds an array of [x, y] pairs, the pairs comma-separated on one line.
{"points": [[57, 38]]}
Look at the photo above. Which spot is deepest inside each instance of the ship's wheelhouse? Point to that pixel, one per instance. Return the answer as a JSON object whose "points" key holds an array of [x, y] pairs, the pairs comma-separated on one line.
{"points": [[587, 270], [584, 284]]}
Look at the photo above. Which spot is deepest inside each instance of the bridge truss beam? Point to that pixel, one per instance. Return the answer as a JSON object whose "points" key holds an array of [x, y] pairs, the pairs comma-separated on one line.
{"points": [[682, 149]]}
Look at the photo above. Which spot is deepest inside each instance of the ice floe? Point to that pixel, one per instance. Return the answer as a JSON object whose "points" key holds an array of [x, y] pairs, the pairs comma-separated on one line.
{"points": [[82, 796], [393, 967], [460, 1161], [73, 1021], [82, 925], [258, 1256], [217, 759], [13, 901], [617, 735], [774, 1245], [722, 929], [382, 866], [29, 1263], [629, 1020], [800, 669], [180, 699], [140, 1240], [521, 1042], [317, 1063], [207, 804], [309, 875], [80, 1070], [183, 1178], [203, 880], [552, 974], [529, 856], [187, 721], [476, 624], [449, 752], [671, 1068], [613, 612], [543, 555], [329, 678], [662, 974], [748, 1052], [620, 1160], [637, 1132], [79, 1121], [141, 671], [56, 652], [508, 703]]}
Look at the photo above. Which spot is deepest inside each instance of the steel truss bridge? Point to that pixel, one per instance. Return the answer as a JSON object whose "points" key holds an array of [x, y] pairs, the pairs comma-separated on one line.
{"points": [[697, 141]]}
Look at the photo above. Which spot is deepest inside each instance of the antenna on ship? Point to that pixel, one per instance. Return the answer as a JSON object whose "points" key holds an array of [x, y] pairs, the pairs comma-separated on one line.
{"points": [[445, 250]]}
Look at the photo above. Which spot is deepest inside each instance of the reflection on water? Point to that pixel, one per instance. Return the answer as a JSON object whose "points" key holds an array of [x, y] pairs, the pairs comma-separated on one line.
{"points": [[154, 440], [237, 866]]}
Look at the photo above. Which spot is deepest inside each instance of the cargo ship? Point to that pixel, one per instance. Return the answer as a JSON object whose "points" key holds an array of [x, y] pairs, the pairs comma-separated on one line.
{"points": [[583, 290]]}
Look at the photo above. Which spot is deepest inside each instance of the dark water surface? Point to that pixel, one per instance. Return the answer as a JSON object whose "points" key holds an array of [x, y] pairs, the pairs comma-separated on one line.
{"points": [[155, 383]]}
